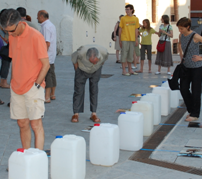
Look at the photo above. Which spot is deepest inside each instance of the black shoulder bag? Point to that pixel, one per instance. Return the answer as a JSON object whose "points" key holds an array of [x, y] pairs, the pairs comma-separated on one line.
{"points": [[180, 70]]}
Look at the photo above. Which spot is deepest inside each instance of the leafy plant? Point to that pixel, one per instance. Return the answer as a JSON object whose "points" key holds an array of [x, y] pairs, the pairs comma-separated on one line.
{"points": [[86, 10]]}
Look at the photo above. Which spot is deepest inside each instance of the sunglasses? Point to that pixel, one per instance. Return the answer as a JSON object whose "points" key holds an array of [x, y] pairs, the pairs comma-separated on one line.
{"points": [[12, 30]]}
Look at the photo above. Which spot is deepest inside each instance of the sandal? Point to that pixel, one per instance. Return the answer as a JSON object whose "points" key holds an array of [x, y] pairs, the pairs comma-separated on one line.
{"points": [[118, 61], [1, 102], [75, 118], [191, 119], [48, 101], [126, 74], [134, 73], [52, 97], [94, 118]]}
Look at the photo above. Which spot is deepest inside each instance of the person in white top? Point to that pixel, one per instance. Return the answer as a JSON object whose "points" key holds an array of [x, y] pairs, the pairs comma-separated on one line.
{"points": [[49, 32]]}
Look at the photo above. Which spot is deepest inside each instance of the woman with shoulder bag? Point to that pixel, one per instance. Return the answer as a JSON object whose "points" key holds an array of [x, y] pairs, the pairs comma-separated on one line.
{"points": [[116, 39], [164, 59], [193, 64]]}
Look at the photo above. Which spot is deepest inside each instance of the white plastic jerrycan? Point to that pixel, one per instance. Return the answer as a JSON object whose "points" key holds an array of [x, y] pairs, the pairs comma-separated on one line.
{"points": [[165, 99], [68, 157], [104, 144], [146, 108], [28, 164], [156, 100], [174, 95], [131, 130]]}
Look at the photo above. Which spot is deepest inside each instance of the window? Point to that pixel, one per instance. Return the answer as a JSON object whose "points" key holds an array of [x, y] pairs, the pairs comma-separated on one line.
{"points": [[175, 46], [174, 10]]}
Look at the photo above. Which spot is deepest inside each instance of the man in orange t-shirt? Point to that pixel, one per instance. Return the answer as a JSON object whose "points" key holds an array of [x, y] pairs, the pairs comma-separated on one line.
{"points": [[30, 63]]}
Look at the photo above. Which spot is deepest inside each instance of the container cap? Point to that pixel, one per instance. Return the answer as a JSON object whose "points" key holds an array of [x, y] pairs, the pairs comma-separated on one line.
{"points": [[143, 94], [59, 137], [122, 113], [134, 102], [96, 124], [21, 150], [163, 81]]}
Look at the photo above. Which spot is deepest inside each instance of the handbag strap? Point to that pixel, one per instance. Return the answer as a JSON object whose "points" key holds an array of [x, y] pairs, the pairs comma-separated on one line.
{"points": [[185, 52], [167, 31]]}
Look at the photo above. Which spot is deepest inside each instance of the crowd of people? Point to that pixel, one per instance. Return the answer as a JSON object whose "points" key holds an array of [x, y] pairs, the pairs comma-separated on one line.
{"points": [[128, 41], [33, 53]]}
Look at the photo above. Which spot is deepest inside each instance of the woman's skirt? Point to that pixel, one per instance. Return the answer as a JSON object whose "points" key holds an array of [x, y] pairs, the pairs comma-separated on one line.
{"points": [[165, 59], [117, 46]]}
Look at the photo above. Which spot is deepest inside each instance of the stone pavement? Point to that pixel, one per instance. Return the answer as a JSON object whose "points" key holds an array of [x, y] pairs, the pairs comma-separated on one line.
{"points": [[113, 94]]}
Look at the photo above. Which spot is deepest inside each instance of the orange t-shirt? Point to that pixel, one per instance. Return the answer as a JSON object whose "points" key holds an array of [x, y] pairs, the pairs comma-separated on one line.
{"points": [[26, 51]]}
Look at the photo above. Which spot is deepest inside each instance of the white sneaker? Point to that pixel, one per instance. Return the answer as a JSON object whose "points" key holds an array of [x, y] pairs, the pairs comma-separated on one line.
{"points": [[169, 73], [133, 67], [157, 73]]}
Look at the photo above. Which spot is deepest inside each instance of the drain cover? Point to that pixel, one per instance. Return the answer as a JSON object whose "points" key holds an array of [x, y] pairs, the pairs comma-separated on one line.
{"points": [[106, 75]]}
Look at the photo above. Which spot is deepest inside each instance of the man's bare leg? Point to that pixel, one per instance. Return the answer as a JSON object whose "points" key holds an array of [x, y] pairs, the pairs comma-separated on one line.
{"points": [[25, 133], [123, 68], [47, 95], [37, 127], [129, 68], [52, 94]]}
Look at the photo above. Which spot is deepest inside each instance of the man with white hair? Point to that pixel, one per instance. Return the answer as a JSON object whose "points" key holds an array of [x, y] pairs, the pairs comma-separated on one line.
{"points": [[88, 61]]}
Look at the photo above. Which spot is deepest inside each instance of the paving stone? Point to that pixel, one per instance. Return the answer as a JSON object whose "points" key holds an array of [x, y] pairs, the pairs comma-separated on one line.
{"points": [[113, 94]]}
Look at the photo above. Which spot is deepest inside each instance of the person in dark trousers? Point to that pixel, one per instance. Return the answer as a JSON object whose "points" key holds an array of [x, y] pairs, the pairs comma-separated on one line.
{"points": [[5, 65], [88, 61], [193, 63]]}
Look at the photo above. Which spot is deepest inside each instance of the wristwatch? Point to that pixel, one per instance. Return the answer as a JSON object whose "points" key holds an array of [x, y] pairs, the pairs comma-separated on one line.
{"points": [[37, 85]]}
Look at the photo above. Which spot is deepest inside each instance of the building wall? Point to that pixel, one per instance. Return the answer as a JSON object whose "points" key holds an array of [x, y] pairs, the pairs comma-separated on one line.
{"points": [[71, 30], [143, 10], [60, 14], [109, 15]]}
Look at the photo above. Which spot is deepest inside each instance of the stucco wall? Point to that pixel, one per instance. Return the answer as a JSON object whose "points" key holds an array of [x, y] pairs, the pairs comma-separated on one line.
{"points": [[109, 14], [60, 14]]}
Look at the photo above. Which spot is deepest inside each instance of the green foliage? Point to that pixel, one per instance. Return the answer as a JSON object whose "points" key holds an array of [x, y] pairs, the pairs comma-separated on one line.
{"points": [[86, 10]]}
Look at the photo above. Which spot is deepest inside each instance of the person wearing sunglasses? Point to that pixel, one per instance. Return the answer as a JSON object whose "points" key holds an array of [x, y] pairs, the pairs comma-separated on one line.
{"points": [[30, 64]]}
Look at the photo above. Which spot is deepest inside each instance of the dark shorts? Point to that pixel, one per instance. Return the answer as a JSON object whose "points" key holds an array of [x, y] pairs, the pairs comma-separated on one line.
{"points": [[143, 49], [50, 77]]}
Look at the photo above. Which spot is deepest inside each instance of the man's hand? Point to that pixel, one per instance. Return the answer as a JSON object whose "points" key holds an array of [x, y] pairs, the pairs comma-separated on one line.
{"points": [[44, 70], [196, 58], [136, 43], [75, 66]]}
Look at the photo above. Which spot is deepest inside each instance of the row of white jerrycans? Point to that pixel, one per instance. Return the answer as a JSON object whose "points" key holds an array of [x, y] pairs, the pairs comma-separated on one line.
{"points": [[68, 153], [153, 105]]}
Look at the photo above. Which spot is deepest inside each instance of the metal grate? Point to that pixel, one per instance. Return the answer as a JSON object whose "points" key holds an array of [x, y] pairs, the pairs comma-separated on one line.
{"points": [[156, 139], [106, 75]]}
